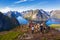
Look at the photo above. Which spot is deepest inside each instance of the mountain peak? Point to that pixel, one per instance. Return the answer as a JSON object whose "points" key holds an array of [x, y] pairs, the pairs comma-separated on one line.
{"points": [[55, 14], [13, 14], [36, 15]]}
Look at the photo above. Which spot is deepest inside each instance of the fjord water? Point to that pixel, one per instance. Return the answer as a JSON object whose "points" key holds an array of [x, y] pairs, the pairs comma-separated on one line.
{"points": [[53, 22], [21, 20]]}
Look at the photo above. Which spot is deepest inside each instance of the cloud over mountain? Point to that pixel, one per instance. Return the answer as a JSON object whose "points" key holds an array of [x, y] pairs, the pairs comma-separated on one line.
{"points": [[6, 9]]}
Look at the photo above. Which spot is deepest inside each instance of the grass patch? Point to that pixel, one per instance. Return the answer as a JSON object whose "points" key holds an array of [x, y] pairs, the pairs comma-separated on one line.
{"points": [[10, 36], [55, 25]]}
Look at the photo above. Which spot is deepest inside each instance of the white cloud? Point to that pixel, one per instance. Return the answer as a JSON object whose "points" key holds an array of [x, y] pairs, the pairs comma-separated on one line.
{"points": [[6, 9], [20, 1]]}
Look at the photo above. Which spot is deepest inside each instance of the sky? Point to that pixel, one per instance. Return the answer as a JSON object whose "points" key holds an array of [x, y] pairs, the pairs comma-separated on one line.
{"points": [[23, 5]]}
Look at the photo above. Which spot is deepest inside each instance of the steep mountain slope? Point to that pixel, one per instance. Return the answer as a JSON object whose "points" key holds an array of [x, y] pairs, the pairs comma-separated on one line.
{"points": [[7, 23]]}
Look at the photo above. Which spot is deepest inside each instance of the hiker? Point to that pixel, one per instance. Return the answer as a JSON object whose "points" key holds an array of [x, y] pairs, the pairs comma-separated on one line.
{"points": [[38, 25], [35, 27], [48, 28], [41, 28], [32, 29], [45, 28], [30, 24]]}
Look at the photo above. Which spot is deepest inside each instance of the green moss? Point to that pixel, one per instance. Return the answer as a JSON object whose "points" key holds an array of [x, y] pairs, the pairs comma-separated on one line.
{"points": [[55, 25]]}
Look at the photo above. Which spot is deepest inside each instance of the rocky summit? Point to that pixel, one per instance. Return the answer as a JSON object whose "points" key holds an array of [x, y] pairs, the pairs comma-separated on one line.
{"points": [[36, 15]]}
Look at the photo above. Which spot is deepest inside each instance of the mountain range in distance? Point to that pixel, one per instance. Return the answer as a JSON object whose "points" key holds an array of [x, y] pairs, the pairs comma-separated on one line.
{"points": [[38, 14], [14, 18]]}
